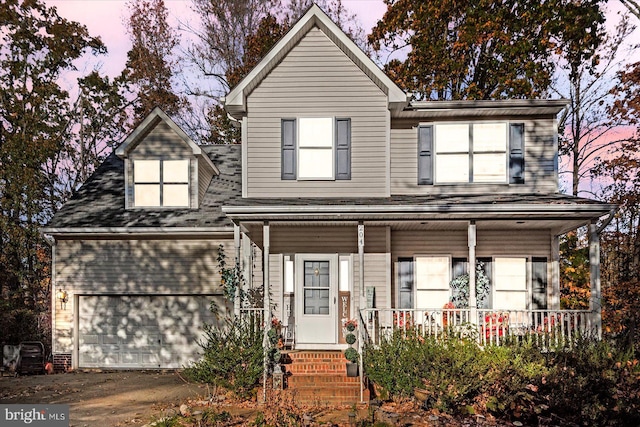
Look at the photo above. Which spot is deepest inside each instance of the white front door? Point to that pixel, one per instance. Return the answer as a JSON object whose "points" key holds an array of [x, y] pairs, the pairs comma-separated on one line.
{"points": [[316, 300]]}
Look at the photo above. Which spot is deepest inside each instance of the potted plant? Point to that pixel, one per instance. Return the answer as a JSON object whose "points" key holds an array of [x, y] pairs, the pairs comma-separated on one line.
{"points": [[351, 354], [351, 325]]}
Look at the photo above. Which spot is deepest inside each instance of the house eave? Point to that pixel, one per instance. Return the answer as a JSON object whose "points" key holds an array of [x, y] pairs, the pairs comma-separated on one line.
{"points": [[482, 108], [444, 212], [136, 231]]}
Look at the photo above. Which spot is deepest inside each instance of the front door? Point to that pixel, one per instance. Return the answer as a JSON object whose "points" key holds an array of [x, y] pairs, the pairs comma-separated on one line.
{"points": [[316, 300]]}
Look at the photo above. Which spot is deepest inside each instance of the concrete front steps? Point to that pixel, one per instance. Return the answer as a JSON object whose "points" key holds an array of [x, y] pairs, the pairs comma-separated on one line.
{"points": [[320, 378]]}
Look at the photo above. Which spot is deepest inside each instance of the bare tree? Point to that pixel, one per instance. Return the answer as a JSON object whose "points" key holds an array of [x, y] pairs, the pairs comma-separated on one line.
{"points": [[587, 131]]}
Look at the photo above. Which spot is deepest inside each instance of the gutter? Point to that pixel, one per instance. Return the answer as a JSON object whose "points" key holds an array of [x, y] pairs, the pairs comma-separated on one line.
{"points": [[404, 209], [164, 231], [605, 224]]}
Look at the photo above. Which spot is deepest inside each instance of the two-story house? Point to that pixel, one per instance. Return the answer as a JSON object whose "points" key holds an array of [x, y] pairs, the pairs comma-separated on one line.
{"points": [[345, 197]]}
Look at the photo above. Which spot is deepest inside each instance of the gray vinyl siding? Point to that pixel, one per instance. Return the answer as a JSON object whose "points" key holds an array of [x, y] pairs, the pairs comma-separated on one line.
{"points": [[539, 165], [377, 273], [454, 243], [161, 141], [342, 240], [526, 243], [276, 284], [140, 266], [316, 79]]}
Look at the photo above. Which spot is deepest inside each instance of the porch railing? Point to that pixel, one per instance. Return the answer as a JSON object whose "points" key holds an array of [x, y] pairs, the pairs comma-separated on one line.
{"points": [[253, 316], [488, 327]]}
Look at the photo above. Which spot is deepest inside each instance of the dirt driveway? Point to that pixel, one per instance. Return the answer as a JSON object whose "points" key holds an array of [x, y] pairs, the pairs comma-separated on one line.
{"points": [[117, 398]]}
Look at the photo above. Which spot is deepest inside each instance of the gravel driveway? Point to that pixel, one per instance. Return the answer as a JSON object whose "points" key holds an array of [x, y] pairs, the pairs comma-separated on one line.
{"points": [[116, 398]]}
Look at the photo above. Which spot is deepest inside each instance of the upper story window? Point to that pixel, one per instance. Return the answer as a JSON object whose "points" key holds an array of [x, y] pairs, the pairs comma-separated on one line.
{"points": [[316, 148], [455, 153], [161, 183]]}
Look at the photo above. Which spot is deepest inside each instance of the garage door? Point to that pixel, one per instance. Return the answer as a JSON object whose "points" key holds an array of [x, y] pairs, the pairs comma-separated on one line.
{"points": [[141, 332]]}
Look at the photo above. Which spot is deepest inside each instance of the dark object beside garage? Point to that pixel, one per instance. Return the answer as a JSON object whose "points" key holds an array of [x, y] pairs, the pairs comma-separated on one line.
{"points": [[31, 359]]}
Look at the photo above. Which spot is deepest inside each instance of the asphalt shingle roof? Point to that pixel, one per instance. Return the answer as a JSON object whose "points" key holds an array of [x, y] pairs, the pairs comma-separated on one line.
{"points": [[100, 201]]}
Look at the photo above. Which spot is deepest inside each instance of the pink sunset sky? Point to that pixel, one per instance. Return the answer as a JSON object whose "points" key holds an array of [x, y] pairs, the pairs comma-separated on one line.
{"points": [[105, 18]]}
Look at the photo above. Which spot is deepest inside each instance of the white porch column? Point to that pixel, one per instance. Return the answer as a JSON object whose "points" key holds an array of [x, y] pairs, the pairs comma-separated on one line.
{"points": [[554, 298], [362, 299], [266, 305], [236, 242], [472, 267], [595, 302]]}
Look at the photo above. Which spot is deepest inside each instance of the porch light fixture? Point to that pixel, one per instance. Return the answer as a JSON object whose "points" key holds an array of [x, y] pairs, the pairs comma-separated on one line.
{"points": [[316, 272], [63, 297]]}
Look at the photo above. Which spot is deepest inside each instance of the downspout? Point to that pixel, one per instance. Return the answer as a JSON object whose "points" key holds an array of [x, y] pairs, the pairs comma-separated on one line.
{"points": [[52, 242], [238, 290]]}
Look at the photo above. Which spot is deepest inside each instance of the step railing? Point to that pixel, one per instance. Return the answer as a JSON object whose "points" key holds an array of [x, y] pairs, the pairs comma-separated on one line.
{"points": [[489, 327]]}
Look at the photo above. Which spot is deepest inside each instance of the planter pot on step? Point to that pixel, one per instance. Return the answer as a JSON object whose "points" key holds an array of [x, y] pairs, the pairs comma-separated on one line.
{"points": [[352, 369]]}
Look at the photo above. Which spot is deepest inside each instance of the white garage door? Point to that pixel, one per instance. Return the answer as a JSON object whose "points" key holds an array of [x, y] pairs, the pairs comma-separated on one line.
{"points": [[141, 332]]}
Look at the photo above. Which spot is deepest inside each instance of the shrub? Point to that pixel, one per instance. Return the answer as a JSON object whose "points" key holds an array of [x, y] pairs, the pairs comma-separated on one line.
{"points": [[233, 357], [592, 383]]}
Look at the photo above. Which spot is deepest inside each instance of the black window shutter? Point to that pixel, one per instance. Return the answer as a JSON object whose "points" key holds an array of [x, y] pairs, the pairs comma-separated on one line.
{"points": [[425, 155], [343, 148], [288, 165], [516, 153], [539, 283]]}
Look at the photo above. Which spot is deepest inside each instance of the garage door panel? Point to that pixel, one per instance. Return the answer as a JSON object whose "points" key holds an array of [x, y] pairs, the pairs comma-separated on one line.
{"points": [[141, 331]]}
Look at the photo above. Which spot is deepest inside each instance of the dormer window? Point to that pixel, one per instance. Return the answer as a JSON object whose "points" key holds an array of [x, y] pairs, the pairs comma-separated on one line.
{"points": [[161, 183]]}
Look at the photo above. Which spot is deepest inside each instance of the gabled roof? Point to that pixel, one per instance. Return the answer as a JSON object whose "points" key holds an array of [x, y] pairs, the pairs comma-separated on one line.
{"points": [[98, 206], [235, 101], [150, 122]]}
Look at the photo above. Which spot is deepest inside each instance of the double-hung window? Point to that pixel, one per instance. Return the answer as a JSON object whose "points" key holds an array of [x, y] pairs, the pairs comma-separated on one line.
{"points": [[455, 153], [161, 183], [316, 148]]}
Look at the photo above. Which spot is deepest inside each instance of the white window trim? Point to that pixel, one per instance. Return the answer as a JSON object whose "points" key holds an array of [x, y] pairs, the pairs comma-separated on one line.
{"points": [[469, 152], [300, 148], [528, 266], [416, 305], [161, 183]]}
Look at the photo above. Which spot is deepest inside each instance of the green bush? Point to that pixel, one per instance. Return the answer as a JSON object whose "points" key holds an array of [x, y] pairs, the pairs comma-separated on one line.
{"points": [[592, 383], [604, 378], [233, 357]]}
